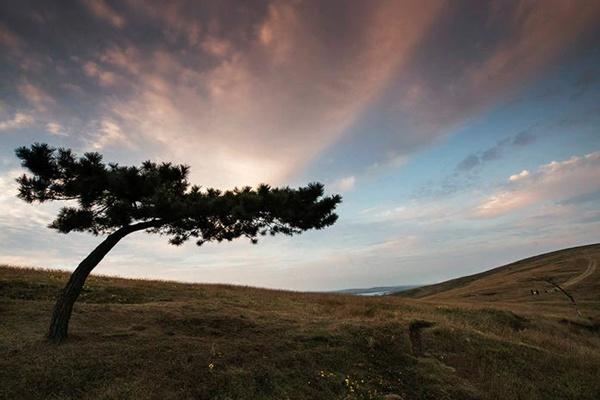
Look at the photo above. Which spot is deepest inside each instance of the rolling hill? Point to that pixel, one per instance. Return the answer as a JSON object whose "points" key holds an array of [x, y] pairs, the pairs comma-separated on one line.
{"points": [[576, 270], [478, 337]]}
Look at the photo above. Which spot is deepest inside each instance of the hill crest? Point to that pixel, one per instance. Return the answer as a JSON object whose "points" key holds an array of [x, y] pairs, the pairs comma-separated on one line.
{"points": [[573, 268]]}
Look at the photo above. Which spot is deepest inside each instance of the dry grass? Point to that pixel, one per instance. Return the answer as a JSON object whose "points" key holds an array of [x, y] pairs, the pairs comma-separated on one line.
{"points": [[163, 340], [512, 283]]}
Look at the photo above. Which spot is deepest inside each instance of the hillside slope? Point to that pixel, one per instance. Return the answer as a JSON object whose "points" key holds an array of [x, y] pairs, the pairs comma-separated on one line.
{"points": [[135, 339], [577, 270]]}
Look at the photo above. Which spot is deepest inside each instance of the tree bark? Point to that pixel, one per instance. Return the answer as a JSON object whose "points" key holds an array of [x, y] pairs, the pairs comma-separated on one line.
{"points": [[63, 308]]}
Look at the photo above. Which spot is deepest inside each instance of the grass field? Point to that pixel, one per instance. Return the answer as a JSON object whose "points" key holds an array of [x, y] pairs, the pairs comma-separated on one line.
{"points": [[482, 337]]}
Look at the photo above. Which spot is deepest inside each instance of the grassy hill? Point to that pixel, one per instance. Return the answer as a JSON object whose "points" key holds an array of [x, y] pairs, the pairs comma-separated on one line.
{"points": [[577, 270], [135, 339]]}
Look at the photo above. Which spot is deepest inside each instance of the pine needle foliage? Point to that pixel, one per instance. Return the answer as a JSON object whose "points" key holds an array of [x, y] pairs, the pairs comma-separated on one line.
{"points": [[102, 198]]}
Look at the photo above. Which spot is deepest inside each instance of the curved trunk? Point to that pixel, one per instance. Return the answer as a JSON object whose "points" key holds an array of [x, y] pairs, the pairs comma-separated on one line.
{"points": [[63, 308]]}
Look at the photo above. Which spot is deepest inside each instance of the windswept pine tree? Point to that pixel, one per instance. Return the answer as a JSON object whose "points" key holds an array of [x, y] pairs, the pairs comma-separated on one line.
{"points": [[114, 201]]}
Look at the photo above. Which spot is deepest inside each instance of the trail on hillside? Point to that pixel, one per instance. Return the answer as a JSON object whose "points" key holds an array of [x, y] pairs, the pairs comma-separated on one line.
{"points": [[591, 268]]}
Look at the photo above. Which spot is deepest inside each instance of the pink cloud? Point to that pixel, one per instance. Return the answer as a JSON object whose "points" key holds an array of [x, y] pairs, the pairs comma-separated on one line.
{"points": [[539, 33], [177, 18], [56, 129], [273, 102], [263, 96], [555, 181], [35, 95], [109, 133], [103, 11], [217, 47], [9, 39], [126, 58], [433, 98], [521, 175], [106, 78], [19, 120], [344, 184]]}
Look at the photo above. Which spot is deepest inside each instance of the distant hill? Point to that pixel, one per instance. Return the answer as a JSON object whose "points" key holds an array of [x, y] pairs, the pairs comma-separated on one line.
{"points": [[576, 269], [377, 291]]}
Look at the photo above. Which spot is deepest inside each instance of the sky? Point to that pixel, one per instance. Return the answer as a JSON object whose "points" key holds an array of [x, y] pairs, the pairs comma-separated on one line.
{"points": [[462, 135]]}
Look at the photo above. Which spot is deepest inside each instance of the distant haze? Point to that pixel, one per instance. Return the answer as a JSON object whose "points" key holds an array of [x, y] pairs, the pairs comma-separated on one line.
{"points": [[377, 291]]}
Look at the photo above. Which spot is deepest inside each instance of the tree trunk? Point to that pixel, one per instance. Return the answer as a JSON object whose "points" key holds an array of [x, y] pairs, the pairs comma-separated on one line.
{"points": [[64, 305]]}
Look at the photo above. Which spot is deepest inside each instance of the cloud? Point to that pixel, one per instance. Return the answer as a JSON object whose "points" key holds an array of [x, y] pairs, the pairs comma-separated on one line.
{"points": [[181, 20], [106, 78], [264, 91], [16, 214], [35, 95], [555, 181], [56, 129], [216, 46], [451, 77], [523, 138], [479, 158], [503, 202], [105, 12], [19, 120], [491, 154], [344, 184], [109, 134], [537, 35], [469, 162], [521, 175], [9, 39], [416, 213], [589, 198], [126, 58], [268, 104]]}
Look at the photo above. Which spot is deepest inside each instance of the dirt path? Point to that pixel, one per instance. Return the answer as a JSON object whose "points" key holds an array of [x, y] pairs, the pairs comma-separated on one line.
{"points": [[576, 279]]}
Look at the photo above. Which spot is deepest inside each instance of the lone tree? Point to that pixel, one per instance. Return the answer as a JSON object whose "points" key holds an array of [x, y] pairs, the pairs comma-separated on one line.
{"points": [[115, 200]]}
